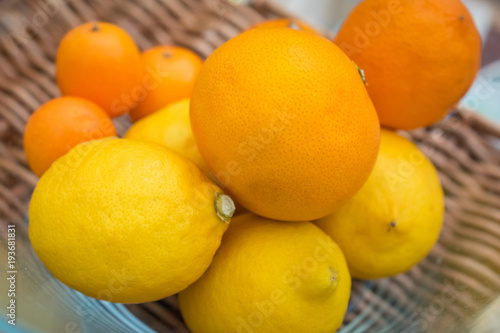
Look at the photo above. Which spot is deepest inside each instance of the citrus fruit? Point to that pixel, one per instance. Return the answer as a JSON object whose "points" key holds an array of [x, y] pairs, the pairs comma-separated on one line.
{"points": [[288, 22], [126, 221], [170, 127], [170, 72], [419, 57], [395, 219], [59, 125], [270, 277], [283, 120], [99, 61]]}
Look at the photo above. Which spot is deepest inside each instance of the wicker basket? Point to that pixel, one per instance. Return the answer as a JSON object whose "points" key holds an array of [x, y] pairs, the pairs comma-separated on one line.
{"points": [[453, 289]]}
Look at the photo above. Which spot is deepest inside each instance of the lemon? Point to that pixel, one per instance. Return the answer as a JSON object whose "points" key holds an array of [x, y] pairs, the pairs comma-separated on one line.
{"points": [[126, 221], [395, 219], [270, 277], [170, 126]]}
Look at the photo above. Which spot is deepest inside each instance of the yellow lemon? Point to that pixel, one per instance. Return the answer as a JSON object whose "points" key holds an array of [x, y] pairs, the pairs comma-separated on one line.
{"points": [[395, 219], [171, 127], [270, 277], [126, 221]]}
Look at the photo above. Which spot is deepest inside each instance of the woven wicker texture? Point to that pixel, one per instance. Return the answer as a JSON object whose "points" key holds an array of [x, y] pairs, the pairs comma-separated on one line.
{"points": [[459, 278]]}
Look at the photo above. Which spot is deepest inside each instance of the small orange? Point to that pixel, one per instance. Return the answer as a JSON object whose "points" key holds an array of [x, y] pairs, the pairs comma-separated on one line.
{"points": [[419, 57], [169, 75], [283, 120], [288, 22], [59, 125], [100, 62]]}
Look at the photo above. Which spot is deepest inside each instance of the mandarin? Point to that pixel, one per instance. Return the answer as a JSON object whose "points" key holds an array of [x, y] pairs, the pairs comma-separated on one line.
{"points": [[175, 69], [100, 62], [59, 125]]}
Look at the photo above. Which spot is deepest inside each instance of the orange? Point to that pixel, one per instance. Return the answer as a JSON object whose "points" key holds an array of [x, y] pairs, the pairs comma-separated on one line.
{"points": [[59, 125], [419, 57], [172, 71], [283, 120], [100, 62], [286, 23]]}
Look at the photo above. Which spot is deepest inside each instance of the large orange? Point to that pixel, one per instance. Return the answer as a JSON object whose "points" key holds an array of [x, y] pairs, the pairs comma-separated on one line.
{"points": [[100, 62], [172, 71], [59, 125], [284, 121], [419, 57]]}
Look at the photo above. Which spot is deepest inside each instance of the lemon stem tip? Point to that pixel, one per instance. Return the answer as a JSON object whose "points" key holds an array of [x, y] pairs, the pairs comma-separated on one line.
{"points": [[224, 207], [334, 276], [392, 226]]}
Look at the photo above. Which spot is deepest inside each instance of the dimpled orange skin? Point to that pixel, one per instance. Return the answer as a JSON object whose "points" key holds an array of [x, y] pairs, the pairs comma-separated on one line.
{"points": [[175, 70], [286, 23], [284, 121], [420, 63], [100, 62], [59, 125]]}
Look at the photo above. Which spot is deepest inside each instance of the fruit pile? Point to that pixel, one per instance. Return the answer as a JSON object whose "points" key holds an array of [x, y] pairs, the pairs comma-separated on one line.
{"points": [[256, 184]]}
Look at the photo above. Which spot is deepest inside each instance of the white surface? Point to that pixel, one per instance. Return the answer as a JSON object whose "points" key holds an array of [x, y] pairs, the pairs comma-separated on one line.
{"points": [[327, 15], [322, 14]]}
